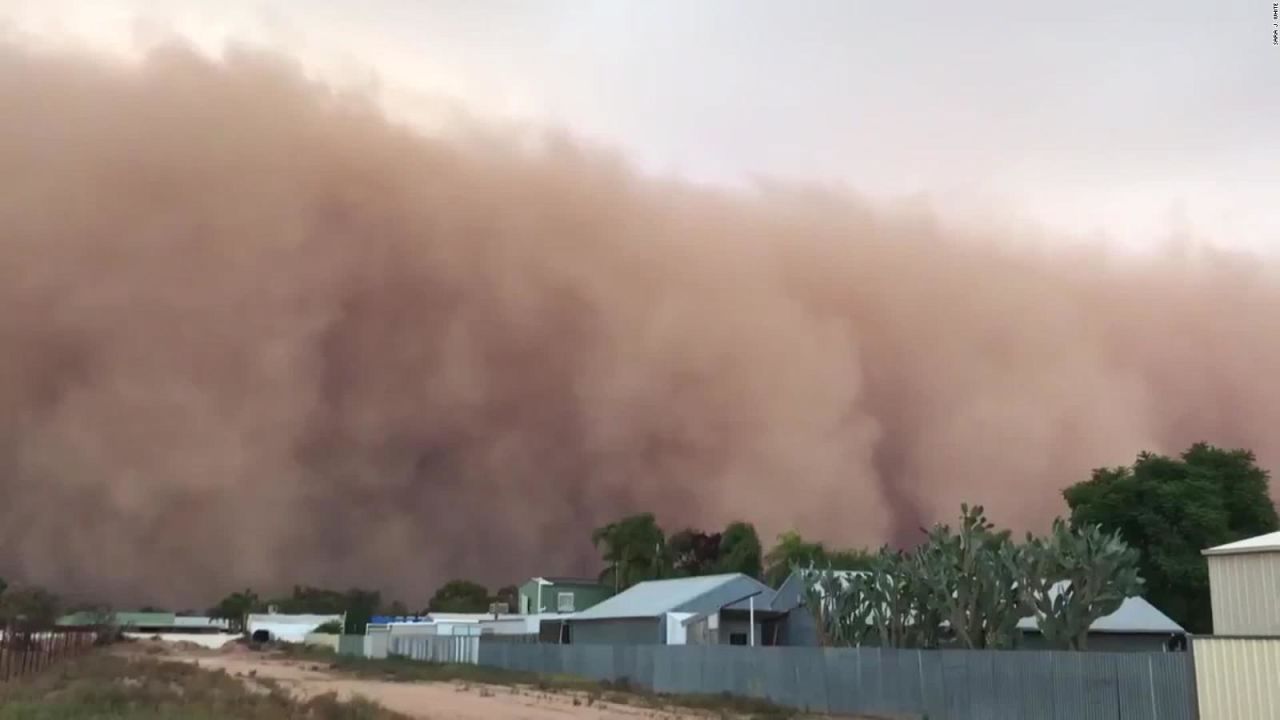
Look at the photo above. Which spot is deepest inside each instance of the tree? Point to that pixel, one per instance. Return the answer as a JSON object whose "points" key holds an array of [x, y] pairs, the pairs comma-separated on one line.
{"points": [[460, 596], [693, 552], [510, 595], [236, 607], [740, 550], [850, 559], [634, 550], [1074, 577], [29, 607], [307, 600], [3, 585], [395, 609], [1170, 509], [358, 608], [792, 552]]}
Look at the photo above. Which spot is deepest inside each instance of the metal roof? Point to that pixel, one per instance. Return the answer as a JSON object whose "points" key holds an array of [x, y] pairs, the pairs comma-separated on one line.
{"points": [[122, 619], [564, 580], [198, 622], [1262, 543], [291, 619], [1135, 615], [658, 597]]}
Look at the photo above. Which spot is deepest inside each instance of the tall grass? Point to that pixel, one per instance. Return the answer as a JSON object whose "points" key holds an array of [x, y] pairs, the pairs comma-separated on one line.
{"points": [[100, 686]]}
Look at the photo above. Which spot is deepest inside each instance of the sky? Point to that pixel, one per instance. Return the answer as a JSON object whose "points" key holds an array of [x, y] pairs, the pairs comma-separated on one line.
{"points": [[1128, 124]]}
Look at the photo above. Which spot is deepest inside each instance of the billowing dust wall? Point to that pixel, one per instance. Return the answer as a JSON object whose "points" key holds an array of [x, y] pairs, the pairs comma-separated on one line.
{"points": [[253, 333]]}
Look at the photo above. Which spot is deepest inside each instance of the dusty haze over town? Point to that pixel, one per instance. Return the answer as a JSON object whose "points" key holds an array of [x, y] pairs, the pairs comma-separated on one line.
{"points": [[390, 293]]}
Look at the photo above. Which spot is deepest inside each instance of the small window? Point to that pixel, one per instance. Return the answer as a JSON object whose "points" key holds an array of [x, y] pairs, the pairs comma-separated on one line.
{"points": [[564, 602], [737, 638]]}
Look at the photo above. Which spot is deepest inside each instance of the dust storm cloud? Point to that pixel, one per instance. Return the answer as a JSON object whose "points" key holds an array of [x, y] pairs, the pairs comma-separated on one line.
{"points": [[254, 333]]}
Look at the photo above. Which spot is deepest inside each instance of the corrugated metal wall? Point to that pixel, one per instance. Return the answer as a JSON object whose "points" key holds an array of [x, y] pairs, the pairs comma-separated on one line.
{"points": [[616, 632], [1237, 678], [439, 648], [1244, 589]]}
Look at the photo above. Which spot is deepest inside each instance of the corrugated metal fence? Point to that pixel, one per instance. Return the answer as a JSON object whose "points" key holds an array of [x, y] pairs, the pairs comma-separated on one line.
{"points": [[942, 684], [438, 648], [352, 645], [1238, 678], [23, 653]]}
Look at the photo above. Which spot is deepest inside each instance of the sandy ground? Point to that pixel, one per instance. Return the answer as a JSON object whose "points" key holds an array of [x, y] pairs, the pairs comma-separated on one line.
{"points": [[431, 701]]}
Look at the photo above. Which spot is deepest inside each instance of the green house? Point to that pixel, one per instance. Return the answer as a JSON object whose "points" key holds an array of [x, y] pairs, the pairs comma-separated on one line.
{"points": [[560, 595]]}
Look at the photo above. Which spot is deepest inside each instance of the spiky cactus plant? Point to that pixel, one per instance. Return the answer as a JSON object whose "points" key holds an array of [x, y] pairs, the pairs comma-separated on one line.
{"points": [[1076, 576], [971, 577]]}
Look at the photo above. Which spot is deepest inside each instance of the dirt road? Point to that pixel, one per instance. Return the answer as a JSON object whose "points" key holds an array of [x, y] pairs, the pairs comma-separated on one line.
{"points": [[431, 701]]}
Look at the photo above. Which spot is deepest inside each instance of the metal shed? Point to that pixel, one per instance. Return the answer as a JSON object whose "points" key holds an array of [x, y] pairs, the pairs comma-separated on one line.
{"points": [[1244, 586]]}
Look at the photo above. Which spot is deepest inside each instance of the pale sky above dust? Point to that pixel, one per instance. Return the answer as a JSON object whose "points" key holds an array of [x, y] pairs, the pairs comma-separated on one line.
{"points": [[1124, 123]]}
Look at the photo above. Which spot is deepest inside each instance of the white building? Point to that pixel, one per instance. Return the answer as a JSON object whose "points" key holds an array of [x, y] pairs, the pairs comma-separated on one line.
{"points": [[286, 628]]}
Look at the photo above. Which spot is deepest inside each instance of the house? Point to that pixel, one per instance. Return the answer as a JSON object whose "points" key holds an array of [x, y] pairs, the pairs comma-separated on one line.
{"points": [[1135, 626], [1243, 580], [559, 595], [729, 609]]}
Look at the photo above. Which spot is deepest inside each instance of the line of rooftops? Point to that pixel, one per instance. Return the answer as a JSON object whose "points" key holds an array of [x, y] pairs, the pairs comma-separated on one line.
{"points": [[730, 609]]}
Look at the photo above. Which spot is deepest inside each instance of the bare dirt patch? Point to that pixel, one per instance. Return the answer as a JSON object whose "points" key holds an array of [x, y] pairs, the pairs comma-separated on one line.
{"points": [[429, 700]]}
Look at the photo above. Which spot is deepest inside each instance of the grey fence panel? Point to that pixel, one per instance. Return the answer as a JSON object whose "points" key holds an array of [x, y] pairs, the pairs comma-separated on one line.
{"points": [[644, 667], [811, 680], [841, 692], [665, 675], [625, 662], [1035, 684], [1169, 673], [1098, 674], [1068, 687], [935, 688], [717, 673], [1006, 676], [985, 697], [1134, 690], [600, 662], [955, 685], [775, 677], [867, 679], [888, 683], [944, 685]]}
